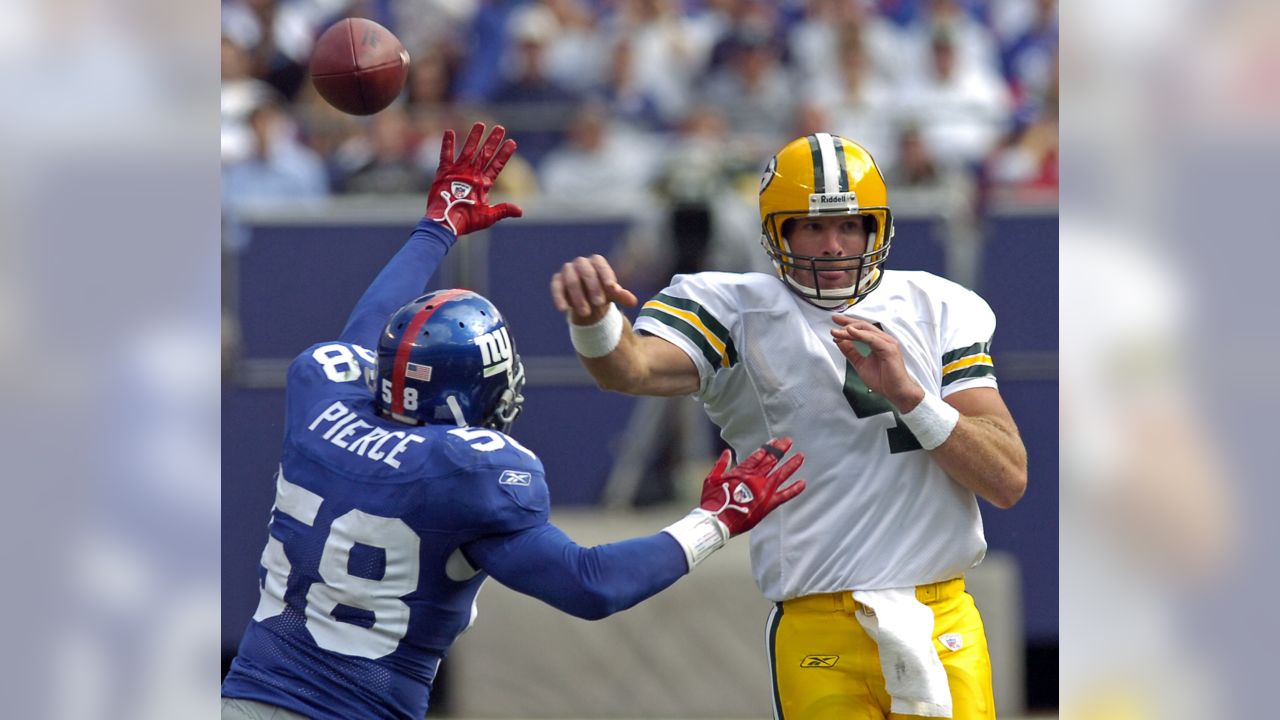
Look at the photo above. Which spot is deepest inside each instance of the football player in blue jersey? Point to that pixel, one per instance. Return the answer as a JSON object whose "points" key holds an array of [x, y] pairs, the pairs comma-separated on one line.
{"points": [[399, 491]]}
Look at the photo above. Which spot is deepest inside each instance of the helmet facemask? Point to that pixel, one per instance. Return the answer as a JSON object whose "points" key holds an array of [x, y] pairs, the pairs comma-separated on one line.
{"points": [[797, 270], [511, 403]]}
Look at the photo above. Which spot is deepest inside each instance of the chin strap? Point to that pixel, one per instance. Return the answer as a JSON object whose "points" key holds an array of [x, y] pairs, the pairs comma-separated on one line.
{"points": [[848, 295], [456, 409]]}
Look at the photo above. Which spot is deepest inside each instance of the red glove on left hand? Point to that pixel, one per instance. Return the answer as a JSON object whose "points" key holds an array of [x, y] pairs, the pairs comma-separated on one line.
{"points": [[459, 196], [741, 497], [736, 500]]}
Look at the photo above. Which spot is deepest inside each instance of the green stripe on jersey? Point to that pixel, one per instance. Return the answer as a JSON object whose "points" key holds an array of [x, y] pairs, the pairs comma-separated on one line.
{"points": [[708, 320], [981, 348], [684, 328]]}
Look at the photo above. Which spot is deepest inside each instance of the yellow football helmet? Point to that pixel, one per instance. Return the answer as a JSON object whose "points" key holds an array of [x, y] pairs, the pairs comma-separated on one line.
{"points": [[823, 175]]}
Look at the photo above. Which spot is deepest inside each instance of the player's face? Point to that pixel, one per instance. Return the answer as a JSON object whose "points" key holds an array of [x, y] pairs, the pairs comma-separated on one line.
{"points": [[836, 238]]}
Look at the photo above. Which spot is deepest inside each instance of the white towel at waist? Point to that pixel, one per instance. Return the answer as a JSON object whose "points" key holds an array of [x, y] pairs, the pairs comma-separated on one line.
{"points": [[902, 627]]}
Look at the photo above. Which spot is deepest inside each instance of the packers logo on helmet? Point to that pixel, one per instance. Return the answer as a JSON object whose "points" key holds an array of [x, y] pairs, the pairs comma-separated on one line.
{"points": [[768, 173], [825, 175]]}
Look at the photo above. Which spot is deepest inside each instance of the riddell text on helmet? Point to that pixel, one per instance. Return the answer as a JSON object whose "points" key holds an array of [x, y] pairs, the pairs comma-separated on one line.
{"points": [[819, 202]]}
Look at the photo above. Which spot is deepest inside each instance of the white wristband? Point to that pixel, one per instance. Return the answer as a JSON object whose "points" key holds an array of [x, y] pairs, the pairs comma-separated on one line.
{"points": [[931, 421], [599, 338], [700, 533]]}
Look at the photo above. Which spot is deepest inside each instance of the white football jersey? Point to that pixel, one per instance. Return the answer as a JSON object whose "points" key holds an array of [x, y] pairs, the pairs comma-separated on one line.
{"points": [[878, 511]]}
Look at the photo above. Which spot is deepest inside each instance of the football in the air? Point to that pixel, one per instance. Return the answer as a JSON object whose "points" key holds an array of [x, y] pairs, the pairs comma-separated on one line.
{"points": [[358, 66]]}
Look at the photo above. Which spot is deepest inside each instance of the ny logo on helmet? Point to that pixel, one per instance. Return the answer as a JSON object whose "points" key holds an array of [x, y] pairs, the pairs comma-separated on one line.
{"points": [[495, 350]]}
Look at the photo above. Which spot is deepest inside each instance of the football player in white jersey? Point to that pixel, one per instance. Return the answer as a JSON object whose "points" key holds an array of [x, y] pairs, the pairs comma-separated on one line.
{"points": [[885, 380]]}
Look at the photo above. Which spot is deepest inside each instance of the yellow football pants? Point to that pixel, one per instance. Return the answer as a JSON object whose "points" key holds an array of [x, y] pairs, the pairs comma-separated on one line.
{"points": [[826, 667]]}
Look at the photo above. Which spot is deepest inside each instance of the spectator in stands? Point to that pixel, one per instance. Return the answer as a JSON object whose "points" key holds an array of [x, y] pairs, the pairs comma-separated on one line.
{"points": [[278, 37], [578, 56], [241, 93], [430, 82], [598, 159], [1029, 156], [962, 111], [531, 102], [431, 26], [974, 45], [486, 45], [383, 159], [279, 167], [753, 90], [914, 166], [949, 190], [711, 219], [854, 98], [531, 30], [762, 17], [629, 101], [666, 53], [823, 34], [1030, 60], [330, 133], [811, 118]]}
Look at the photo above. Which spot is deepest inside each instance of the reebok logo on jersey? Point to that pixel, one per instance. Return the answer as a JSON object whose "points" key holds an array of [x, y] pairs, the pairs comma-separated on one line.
{"points": [[952, 641], [513, 477], [812, 661]]}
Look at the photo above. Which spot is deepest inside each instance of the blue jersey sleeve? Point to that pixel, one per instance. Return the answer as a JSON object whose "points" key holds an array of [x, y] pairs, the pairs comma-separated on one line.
{"points": [[590, 583], [499, 485], [403, 279]]}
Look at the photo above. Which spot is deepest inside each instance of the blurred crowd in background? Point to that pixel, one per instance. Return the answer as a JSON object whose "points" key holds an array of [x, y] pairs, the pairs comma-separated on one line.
{"points": [[682, 98]]}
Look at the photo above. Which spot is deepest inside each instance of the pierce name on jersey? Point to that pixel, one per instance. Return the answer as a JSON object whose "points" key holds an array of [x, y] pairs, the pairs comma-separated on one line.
{"points": [[343, 427]]}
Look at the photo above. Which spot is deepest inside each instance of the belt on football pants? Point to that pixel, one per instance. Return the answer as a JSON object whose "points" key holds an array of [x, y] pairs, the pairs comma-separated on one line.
{"points": [[843, 601]]}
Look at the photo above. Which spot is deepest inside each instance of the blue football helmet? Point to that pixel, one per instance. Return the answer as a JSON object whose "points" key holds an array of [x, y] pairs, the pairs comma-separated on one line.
{"points": [[447, 358]]}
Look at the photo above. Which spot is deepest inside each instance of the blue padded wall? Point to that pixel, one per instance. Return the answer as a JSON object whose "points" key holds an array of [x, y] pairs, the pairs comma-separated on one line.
{"points": [[1020, 281]]}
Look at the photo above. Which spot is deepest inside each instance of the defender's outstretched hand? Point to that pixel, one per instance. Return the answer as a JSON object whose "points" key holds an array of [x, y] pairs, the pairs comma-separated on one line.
{"points": [[734, 501], [585, 287], [459, 196], [741, 497]]}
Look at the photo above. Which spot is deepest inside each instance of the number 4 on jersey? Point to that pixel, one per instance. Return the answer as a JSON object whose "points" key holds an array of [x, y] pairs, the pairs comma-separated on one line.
{"points": [[866, 403]]}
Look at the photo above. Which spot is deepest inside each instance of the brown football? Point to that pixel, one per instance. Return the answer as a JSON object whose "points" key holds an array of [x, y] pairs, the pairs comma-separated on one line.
{"points": [[358, 66]]}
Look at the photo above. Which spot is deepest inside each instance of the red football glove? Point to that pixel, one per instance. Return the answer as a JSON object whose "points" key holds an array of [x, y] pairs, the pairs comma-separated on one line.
{"points": [[733, 502], [459, 196], [741, 497]]}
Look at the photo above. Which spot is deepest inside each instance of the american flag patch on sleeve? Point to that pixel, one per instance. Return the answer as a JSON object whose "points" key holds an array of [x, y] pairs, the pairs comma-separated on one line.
{"points": [[417, 372]]}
